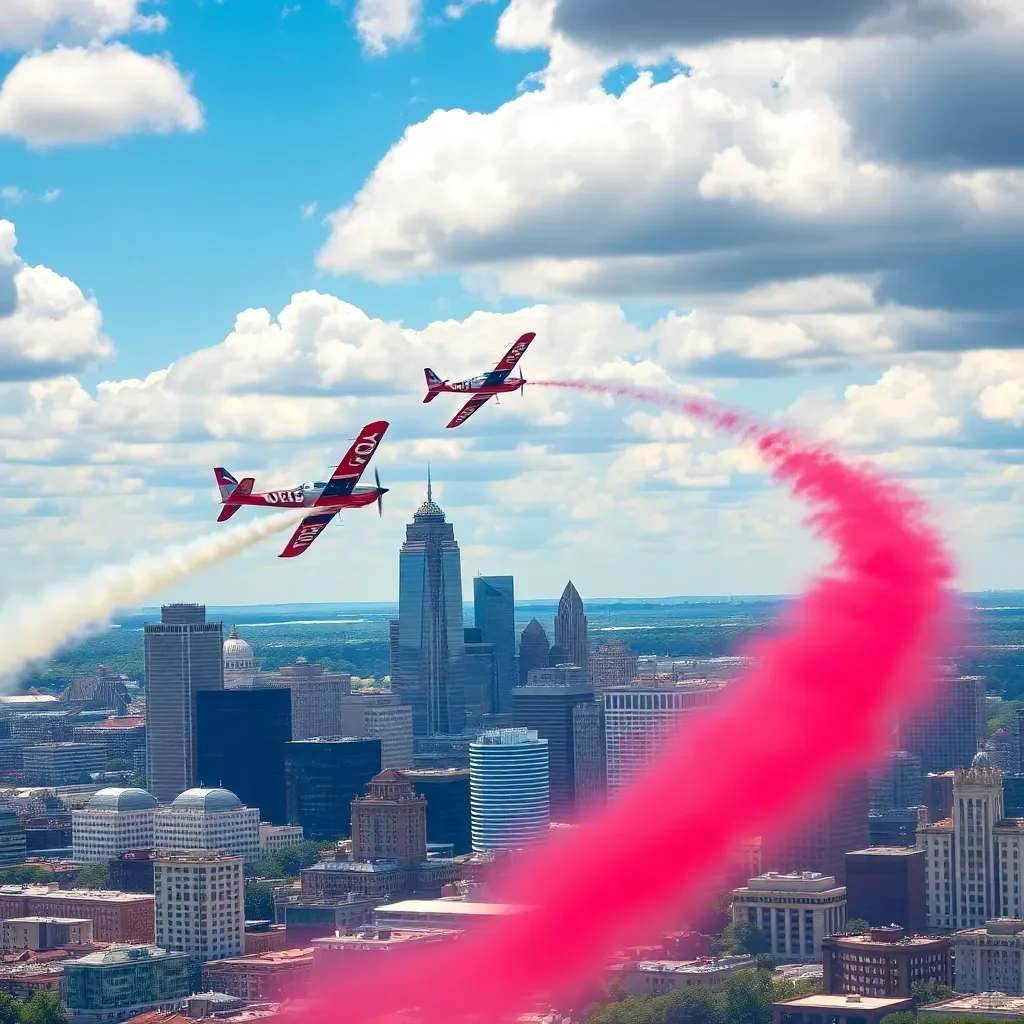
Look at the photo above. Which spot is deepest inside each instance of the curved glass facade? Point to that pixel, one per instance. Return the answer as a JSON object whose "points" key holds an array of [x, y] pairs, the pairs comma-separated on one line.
{"points": [[509, 789]]}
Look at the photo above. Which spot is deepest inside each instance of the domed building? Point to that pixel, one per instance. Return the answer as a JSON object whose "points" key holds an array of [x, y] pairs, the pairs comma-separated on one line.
{"points": [[208, 819], [239, 661], [113, 822]]}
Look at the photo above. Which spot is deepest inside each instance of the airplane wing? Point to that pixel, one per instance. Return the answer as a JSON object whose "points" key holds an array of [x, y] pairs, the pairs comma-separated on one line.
{"points": [[350, 469], [511, 357], [469, 408], [307, 531]]}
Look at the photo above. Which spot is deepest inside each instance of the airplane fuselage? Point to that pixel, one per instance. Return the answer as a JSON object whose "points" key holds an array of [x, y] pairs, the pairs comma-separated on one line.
{"points": [[482, 386], [306, 496]]}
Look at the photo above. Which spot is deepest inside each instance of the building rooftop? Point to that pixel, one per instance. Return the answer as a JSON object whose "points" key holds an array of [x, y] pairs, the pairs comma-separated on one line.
{"points": [[272, 958], [82, 895], [128, 799], [32, 919], [195, 856], [385, 937], [886, 851], [793, 881], [702, 965], [125, 954], [996, 1004], [454, 908], [821, 1001], [28, 699], [875, 938], [207, 801]]}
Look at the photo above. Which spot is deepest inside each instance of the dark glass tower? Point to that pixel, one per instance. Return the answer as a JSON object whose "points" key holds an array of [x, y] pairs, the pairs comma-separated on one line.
{"points": [[447, 794], [494, 612], [431, 645], [241, 740], [184, 656], [533, 650], [571, 628], [480, 674]]}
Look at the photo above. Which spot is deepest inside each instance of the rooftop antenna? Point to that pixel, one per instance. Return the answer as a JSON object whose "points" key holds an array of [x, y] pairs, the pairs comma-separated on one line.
{"points": [[430, 490]]}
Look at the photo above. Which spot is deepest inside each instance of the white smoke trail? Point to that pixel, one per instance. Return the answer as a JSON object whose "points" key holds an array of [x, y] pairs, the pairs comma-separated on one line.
{"points": [[36, 627]]}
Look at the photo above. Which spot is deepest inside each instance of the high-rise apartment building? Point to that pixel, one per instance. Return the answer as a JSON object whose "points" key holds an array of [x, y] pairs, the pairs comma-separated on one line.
{"points": [[240, 742], [494, 612], [481, 674], [508, 781], [897, 783], [794, 910], [184, 657], [590, 774], [377, 715], [431, 643], [545, 706], [571, 628], [446, 791], [612, 665], [323, 777], [534, 649], [390, 823], [638, 722], [952, 729], [113, 822], [822, 842], [200, 903], [208, 819]]}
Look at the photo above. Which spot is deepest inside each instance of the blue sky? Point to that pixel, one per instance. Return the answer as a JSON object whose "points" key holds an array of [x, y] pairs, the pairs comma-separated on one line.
{"points": [[735, 206]]}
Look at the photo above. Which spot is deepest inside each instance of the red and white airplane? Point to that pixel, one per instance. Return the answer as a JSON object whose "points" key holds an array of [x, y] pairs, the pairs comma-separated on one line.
{"points": [[327, 498], [484, 388]]}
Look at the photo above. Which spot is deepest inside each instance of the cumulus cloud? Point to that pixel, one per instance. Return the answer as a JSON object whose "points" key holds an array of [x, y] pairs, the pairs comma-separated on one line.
{"points": [[75, 95], [384, 23], [28, 23], [47, 326]]}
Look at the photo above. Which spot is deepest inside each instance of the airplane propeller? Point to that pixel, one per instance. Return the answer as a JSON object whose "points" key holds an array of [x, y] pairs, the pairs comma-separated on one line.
{"points": [[522, 384], [381, 491]]}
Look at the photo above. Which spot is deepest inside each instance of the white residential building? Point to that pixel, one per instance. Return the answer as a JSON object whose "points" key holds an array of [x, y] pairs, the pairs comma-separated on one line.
{"points": [[794, 911], [200, 903], [113, 822], [208, 819]]}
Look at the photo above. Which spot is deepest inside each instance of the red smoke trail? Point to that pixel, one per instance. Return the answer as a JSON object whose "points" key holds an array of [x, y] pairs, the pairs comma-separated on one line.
{"points": [[859, 646]]}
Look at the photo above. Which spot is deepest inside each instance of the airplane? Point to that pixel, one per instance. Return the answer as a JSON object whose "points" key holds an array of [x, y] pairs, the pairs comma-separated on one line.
{"points": [[484, 388], [327, 497]]}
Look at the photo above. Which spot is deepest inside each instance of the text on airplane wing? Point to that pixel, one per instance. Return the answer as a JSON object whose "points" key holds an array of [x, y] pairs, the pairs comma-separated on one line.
{"points": [[307, 531]]}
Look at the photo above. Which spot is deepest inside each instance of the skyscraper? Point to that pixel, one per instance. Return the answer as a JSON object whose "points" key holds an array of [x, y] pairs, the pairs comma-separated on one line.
{"points": [[508, 785], [481, 674], [183, 657], [822, 842], [533, 650], [390, 823], [377, 715], [897, 783], [494, 613], [951, 731], [241, 740], [431, 645], [545, 705], [590, 775], [612, 664], [571, 628], [393, 634]]}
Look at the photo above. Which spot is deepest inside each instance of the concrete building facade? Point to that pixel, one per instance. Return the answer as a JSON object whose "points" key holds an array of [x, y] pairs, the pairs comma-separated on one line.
{"points": [[208, 819], [113, 822]]}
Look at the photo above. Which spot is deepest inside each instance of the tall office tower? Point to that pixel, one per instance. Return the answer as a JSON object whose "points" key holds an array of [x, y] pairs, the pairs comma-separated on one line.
{"points": [[323, 777], [431, 645], [938, 795], [885, 885], [390, 823], [612, 665], [183, 657], [589, 769], [952, 730], [534, 650], [377, 715], [240, 745], [822, 842], [638, 722], [545, 706], [200, 903], [208, 819], [393, 634], [571, 628], [508, 787], [446, 791], [898, 782], [494, 612], [481, 674]]}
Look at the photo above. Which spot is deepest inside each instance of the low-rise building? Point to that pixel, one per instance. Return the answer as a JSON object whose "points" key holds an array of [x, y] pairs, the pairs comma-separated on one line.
{"points": [[656, 977], [114, 984], [837, 1009], [265, 937], [39, 933], [24, 980], [115, 916], [884, 963], [990, 958], [443, 914], [277, 837], [58, 764], [982, 1006], [371, 943], [794, 911], [309, 918], [275, 975]]}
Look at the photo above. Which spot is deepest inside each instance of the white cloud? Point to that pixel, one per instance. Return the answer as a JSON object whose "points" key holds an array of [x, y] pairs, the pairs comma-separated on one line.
{"points": [[28, 23], [384, 23], [11, 194], [47, 326], [75, 95], [51, 195]]}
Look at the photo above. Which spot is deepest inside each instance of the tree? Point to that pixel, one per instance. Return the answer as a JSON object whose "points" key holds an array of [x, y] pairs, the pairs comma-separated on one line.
{"points": [[10, 1009], [92, 876], [259, 902], [694, 1004], [924, 992], [24, 874], [748, 997], [857, 924], [765, 961], [742, 937], [43, 1008], [119, 764]]}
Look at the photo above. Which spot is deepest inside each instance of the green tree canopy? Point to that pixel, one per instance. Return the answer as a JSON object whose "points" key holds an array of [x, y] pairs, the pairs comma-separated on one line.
{"points": [[259, 902], [741, 937], [924, 992], [43, 1008], [10, 1009], [856, 924]]}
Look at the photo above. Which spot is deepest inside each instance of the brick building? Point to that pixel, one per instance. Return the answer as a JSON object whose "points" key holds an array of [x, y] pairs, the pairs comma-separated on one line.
{"points": [[275, 975], [884, 963], [115, 916]]}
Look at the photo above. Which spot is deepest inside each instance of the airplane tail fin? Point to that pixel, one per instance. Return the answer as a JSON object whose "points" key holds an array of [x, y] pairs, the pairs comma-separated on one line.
{"points": [[434, 384], [230, 491], [226, 483]]}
